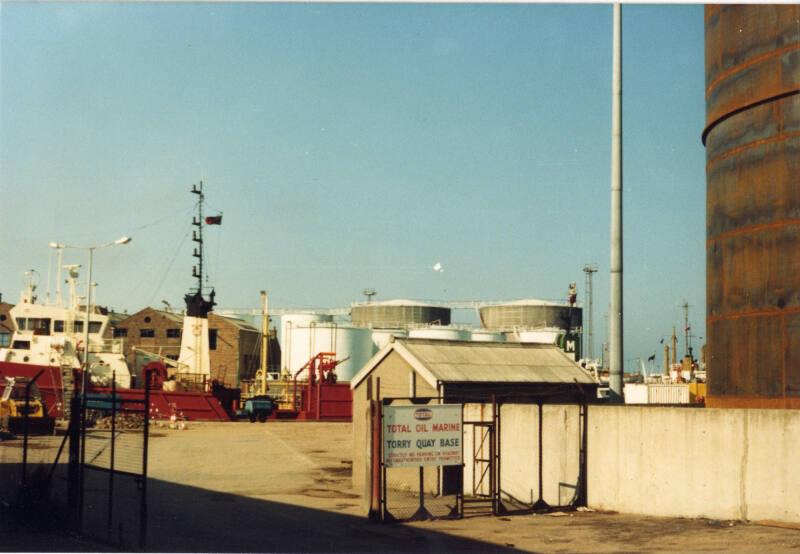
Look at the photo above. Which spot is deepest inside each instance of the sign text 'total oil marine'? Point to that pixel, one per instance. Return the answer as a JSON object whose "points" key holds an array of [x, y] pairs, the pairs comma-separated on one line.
{"points": [[422, 435]]}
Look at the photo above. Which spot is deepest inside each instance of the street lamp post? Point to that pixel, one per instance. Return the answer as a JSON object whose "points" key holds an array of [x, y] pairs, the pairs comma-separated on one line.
{"points": [[85, 372], [90, 249]]}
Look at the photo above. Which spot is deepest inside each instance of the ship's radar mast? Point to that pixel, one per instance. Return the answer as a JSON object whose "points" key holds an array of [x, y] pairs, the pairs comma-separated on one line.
{"points": [[196, 304]]}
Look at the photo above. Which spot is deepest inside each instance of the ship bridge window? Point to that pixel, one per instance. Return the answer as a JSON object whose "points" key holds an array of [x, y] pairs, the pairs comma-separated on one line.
{"points": [[21, 345], [77, 327], [22, 324], [39, 325], [58, 326], [94, 326], [5, 339]]}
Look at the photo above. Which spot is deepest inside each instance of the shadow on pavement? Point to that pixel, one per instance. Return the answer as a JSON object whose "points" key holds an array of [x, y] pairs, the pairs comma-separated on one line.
{"points": [[191, 519]]}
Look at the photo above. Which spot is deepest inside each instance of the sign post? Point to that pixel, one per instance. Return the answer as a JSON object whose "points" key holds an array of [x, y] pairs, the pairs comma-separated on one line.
{"points": [[419, 436]]}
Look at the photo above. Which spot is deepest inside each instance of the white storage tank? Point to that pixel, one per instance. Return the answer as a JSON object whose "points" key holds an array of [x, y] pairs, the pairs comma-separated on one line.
{"points": [[382, 337], [482, 335], [300, 319], [439, 333], [546, 335], [302, 342]]}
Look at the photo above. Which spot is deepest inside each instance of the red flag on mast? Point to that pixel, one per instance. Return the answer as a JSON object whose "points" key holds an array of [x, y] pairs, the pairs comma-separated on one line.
{"points": [[214, 220]]}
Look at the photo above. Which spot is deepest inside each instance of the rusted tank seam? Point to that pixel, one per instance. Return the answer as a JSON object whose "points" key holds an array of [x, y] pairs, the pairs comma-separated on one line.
{"points": [[759, 142], [752, 61], [755, 313], [746, 107], [750, 229], [784, 352]]}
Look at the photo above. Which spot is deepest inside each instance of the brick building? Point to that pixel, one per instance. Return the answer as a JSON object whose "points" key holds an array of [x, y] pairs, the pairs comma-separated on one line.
{"points": [[6, 325], [234, 344]]}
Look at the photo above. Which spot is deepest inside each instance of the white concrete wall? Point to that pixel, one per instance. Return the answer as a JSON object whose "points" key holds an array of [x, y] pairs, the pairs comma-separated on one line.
{"points": [[722, 464], [519, 451]]}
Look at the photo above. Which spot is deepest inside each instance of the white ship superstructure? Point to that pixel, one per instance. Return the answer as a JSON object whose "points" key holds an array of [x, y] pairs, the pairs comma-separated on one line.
{"points": [[52, 335]]}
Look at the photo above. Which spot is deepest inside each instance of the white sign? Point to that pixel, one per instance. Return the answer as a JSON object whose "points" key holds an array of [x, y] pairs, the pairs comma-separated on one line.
{"points": [[416, 436]]}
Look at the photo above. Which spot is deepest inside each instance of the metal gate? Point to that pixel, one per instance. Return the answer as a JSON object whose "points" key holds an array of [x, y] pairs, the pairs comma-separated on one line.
{"points": [[483, 496], [113, 468], [419, 493], [475, 487]]}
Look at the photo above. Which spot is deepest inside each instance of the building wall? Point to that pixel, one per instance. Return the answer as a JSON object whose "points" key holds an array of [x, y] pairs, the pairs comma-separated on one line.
{"points": [[715, 463], [237, 348], [6, 324], [395, 374], [159, 343]]}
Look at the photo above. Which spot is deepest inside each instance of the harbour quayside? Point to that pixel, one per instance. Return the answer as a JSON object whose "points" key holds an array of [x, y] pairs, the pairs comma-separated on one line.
{"points": [[59, 340]]}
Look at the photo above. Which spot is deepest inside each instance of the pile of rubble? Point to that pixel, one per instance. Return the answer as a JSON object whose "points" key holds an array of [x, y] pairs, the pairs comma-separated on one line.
{"points": [[124, 421]]}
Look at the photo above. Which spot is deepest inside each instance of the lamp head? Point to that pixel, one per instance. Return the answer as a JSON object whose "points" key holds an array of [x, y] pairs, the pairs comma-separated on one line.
{"points": [[123, 240]]}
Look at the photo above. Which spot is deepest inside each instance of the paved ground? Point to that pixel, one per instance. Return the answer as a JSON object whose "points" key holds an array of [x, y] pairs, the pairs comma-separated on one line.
{"points": [[286, 487]]}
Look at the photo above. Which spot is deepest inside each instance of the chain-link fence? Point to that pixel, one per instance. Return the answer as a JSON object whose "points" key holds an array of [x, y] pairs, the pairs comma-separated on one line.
{"points": [[33, 455], [430, 492], [114, 470]]}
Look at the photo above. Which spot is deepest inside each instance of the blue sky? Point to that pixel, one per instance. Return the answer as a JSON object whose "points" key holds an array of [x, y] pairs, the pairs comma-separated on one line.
{"points": [[354, 146]]}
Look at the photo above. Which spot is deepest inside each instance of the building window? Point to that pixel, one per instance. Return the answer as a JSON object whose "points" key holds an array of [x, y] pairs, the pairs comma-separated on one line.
{"points": [[120, 332], [5, 339], [212, 339], [94, 326], [147, 333], [147, 319], [173, 333], [58, 326]]}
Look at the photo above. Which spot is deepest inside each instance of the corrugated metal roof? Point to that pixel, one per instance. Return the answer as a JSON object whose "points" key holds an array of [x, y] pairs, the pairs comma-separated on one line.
{"points": [[451, 361], [475, 362], [239, 323]]}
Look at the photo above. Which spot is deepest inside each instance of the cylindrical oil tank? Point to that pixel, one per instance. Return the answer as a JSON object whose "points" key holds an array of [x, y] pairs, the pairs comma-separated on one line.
{"points": [[398, 314], [306, 341], [300, 319], [752, 139], [439, 333], [530, 314], [483, 335], [547, 335], [382, 337]]}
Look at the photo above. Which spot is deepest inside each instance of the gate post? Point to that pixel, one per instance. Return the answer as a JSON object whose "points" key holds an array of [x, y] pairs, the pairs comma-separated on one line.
{"points": [[375, 461], [74, 488]]}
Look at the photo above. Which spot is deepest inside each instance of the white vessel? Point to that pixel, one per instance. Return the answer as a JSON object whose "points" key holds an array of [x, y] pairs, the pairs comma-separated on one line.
{"points": [[52, 335]]}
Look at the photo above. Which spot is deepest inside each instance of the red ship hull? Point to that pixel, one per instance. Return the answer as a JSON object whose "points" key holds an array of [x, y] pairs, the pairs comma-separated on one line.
{"points": [[194, 406]]}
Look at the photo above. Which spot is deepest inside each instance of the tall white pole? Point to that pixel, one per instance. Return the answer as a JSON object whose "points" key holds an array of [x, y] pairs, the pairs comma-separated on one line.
{"points": [[59, 301], [615, 316]]}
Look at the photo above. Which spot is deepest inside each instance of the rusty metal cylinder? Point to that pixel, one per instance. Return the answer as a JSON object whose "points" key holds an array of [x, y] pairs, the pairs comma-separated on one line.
{"points": [[752, 139]]}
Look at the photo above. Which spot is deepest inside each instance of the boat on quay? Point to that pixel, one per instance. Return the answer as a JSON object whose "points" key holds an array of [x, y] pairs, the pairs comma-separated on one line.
{"points": [[60, 340], [48, 340]]}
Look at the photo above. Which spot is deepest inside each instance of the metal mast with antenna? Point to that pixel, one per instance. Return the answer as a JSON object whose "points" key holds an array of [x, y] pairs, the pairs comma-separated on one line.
{"points": [[196, 305], [198, 237], [589, 270], [686, 328]]}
